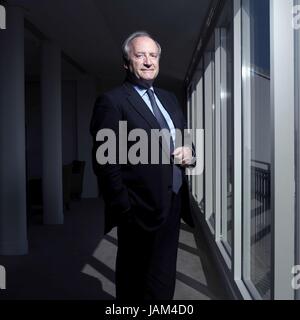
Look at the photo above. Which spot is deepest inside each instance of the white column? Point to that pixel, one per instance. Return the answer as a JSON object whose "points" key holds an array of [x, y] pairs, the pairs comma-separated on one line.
{"points": [[52, 134], [13, 230]]}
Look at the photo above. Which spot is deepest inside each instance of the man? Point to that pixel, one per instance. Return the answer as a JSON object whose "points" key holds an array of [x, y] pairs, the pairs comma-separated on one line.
{"points": [[145, 201]]}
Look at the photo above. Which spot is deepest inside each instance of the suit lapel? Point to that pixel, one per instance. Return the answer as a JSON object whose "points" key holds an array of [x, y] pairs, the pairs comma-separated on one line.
{"points": [[140, 106], [136, 101]]}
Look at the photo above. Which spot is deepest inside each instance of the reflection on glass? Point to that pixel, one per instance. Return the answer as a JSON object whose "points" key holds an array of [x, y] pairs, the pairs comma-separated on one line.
{"points": [[209, 92], [225, 25], [256, 148], [229, 132]]}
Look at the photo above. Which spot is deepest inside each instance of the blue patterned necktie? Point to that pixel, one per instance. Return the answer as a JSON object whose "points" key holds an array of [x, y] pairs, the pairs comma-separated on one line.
{"points": [[177, 174]]}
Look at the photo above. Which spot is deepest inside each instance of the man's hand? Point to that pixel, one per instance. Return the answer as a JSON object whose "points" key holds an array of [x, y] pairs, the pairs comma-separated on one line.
{"points": [[183, 156]]}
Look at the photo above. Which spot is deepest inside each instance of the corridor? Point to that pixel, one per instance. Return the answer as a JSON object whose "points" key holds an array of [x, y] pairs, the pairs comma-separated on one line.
{"points": [[234, 67]]}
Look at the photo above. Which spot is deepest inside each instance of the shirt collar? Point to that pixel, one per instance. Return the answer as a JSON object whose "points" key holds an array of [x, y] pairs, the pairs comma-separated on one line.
{"points": [[141, 91]]}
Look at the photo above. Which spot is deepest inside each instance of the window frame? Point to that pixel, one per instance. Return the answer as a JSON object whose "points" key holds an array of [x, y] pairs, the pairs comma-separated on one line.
{"points": [[283, 173]]}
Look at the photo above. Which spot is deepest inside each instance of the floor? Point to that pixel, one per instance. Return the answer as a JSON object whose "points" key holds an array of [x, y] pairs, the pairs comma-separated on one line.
{"points": [[75, 261]]}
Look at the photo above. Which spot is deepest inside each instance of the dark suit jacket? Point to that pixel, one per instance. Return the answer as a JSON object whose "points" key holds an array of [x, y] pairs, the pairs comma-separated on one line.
{"points": [[140, 192]]}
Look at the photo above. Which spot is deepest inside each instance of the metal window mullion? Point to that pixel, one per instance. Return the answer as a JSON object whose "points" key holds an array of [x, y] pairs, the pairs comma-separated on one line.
{"points": [[246, 143], [189, 121], [237, 123], [199, 122], [282, 110], [237, 218], [217, 143], [192, 130], [194, 117], [223, 104], [297, 142], [208, 134]]}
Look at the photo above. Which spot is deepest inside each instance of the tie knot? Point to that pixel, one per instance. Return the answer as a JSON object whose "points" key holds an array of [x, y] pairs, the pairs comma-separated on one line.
{"points": [[150, 92]]}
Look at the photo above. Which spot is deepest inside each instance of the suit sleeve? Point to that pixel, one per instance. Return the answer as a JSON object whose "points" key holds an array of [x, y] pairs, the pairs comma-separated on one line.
{"points": [[107, 116]]}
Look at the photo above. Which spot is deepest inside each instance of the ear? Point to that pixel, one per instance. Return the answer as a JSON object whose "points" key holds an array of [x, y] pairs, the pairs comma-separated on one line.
{"points": [[125, 66]]}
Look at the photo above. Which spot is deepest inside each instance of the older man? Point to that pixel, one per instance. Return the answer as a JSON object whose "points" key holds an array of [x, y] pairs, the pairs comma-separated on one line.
{"points": [[145, 201]]}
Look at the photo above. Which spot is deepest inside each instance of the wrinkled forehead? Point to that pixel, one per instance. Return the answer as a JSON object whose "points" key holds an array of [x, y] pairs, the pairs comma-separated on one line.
{"points": [[143, 44]]}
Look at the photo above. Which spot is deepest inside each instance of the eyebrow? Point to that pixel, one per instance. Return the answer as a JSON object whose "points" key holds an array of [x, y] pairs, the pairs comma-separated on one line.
{"points": [[145, 52]]}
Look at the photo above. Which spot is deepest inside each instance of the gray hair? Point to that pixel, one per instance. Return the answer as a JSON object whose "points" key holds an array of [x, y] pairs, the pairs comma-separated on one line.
{"points": [[127, 42]]}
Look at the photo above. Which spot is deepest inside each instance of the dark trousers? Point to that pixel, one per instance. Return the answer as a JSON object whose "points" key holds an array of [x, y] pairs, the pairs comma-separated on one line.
{"points": [[146, 261]]}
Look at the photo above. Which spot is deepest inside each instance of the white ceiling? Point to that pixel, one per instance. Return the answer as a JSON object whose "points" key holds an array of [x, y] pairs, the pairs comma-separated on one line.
{"points": [[91, 31]]}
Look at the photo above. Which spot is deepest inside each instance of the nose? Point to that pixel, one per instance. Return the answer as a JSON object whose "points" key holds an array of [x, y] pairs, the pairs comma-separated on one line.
{"points": [[147, 61]]}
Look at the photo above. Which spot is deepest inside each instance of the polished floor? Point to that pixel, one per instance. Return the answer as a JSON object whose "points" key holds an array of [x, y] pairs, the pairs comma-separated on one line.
{"points": [[75, 261]]}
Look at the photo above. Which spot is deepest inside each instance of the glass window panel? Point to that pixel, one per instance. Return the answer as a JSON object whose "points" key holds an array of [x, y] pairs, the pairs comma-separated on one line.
{"points": [[256, 147], [209, 136], [199, 122]]}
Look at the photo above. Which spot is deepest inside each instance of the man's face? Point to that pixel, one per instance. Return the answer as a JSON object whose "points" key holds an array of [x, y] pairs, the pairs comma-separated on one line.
{"points": [[143, 58]]}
